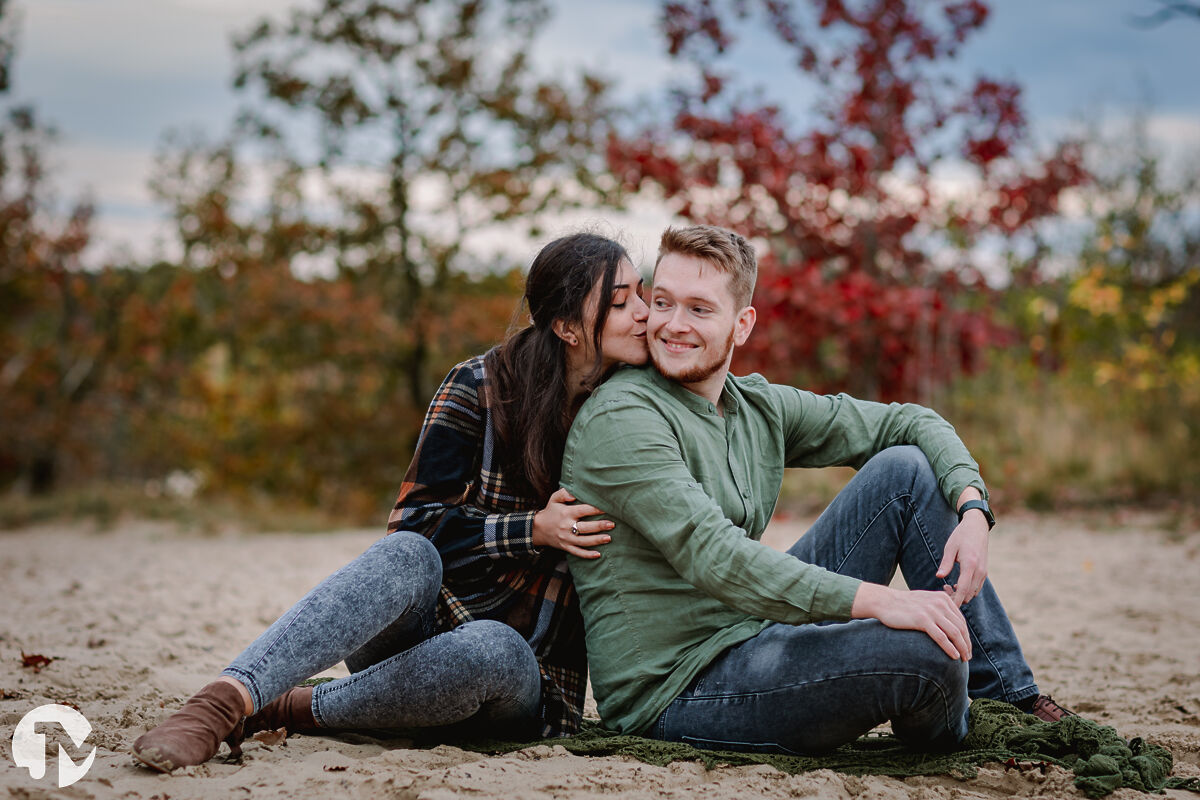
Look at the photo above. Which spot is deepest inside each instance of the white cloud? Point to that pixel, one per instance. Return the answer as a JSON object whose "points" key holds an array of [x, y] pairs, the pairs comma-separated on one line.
{"points": [[130, 239], [1178, 134], [160, 39], [108, 53], [111, 174], [618, 40]]}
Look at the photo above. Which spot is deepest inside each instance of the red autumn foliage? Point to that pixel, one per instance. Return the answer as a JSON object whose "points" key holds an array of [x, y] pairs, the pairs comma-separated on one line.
{"points": [[849, 209]]}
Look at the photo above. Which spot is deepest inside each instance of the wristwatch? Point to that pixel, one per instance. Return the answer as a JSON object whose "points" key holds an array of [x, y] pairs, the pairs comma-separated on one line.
{"points": [[982, 506]]}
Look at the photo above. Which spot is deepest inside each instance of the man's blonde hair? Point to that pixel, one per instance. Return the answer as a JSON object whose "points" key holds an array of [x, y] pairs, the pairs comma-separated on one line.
{"points": [[727, 251]]}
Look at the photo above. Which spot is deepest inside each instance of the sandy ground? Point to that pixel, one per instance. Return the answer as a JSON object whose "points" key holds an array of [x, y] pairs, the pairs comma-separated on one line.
{"points": [[138, 617]]}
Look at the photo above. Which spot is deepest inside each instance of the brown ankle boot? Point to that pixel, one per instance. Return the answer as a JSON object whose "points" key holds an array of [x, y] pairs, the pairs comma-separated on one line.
{"points": [[291, 710], [193, 734]]}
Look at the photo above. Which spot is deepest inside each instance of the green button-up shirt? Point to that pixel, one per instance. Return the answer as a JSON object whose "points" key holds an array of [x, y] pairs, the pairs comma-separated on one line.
{"points": [[691, 492]]}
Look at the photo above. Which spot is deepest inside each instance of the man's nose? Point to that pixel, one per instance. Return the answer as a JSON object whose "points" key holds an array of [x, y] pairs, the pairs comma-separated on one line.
{"points": [[641, 311], [676, 322]]}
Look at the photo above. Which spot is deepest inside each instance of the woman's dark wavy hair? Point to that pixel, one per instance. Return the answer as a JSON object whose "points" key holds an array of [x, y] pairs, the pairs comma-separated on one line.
{"points": [[527, 374]]}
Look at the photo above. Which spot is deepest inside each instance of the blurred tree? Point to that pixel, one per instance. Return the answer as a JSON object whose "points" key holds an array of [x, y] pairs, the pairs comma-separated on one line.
{"points": [[55, 334], [425, 122], [1131, 314], [861, 287], [281, 384], [1101, 394]]}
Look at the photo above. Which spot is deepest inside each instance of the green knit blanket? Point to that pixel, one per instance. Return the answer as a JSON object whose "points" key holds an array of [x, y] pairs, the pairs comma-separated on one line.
{"points": [[998, 732]]}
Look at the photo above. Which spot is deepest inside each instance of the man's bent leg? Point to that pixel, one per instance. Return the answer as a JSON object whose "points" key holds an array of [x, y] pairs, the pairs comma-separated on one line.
{"points": [[893, 513], [807, 688]]}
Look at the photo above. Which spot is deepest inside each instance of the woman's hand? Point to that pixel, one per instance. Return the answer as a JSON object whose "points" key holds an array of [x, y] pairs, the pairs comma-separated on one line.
{"points": [[558, 525]]}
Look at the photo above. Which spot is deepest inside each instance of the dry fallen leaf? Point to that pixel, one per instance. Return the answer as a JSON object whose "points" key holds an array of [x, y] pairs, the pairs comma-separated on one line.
{"points": [[35, 661], [271, 738]]}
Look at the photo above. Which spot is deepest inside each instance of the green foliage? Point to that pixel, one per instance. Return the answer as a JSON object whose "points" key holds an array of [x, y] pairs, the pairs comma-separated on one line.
{"points": [[227, 365], [424, 124], [1051, 440], [1101, 397], [429, 125], [56, 337]]}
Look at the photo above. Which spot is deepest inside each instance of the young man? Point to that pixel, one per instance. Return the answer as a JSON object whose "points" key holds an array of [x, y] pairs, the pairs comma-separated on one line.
{"points": [[696, 632]]}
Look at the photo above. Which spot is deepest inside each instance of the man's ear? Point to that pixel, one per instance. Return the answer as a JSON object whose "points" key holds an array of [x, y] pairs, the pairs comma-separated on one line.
{"points": [[565, 331], [743, 325]]}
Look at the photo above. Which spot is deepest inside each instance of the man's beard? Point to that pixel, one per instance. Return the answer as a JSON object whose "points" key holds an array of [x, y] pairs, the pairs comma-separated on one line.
{"points": [[698, 372]]}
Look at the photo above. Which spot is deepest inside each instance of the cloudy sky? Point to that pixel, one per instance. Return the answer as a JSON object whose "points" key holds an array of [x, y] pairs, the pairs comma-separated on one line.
{"points": [[115, 75]]}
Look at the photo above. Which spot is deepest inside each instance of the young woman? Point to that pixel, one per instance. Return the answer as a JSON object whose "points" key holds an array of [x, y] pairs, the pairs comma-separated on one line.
{"points": [[465, 613]]}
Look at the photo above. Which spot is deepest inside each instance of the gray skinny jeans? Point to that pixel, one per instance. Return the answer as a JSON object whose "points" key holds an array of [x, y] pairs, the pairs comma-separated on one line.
{"points": [[377, 614]]}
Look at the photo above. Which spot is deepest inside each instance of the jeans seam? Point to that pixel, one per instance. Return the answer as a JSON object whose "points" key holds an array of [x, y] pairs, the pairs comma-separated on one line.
{"points": [[1021, 694], [299, 609], [348, 681], [329, 688], [863, 532], [316, 712], [795, 684], [660, 724], [692, 740], [916, 518]]}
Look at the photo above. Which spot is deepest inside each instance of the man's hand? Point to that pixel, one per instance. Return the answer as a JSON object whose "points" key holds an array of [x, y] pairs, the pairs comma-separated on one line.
{"points": [[560, 525], [968, 547], [934, 613]]}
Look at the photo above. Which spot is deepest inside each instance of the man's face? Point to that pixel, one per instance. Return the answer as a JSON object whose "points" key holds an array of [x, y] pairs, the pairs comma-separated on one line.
{"points": [[694, 321]]}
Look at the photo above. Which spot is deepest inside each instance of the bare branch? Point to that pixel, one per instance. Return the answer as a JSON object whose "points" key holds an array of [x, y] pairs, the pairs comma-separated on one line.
{"points": [[1168, 11]]}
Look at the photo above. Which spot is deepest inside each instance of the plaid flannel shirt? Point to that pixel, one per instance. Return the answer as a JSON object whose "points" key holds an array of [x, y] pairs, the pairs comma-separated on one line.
{"points": [[455, 493]]}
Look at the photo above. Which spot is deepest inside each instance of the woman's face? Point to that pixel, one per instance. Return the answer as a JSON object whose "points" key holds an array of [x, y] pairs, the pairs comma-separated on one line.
{"points": [[623, 339]]}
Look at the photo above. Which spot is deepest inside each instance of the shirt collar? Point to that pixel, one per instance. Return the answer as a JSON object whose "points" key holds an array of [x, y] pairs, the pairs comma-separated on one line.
{"points": [[694, 402]]}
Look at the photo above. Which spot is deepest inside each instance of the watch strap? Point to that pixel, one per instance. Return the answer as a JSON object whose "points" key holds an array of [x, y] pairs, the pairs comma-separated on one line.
{"points": [[982, 506]]}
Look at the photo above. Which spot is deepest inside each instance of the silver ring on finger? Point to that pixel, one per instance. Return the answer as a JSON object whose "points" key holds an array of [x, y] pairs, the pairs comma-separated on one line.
{"points": [[575, 528]]}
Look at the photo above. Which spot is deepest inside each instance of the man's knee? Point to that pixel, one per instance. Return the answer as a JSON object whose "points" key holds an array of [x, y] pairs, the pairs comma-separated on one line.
{"points": [[905, 463], [935, 713], [926, 658]]}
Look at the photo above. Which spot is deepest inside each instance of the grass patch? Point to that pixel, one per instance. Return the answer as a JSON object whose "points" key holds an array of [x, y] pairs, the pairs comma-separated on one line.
{"points": [[1055, 442]]}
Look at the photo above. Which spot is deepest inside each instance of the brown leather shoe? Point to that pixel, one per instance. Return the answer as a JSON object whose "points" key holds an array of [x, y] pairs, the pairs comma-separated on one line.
{"points": [[193, 734], [291, 710], [1044, 708]]}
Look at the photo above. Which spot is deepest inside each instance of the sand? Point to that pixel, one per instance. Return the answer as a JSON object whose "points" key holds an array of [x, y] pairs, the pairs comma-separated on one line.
{"points": [[139, 616]]}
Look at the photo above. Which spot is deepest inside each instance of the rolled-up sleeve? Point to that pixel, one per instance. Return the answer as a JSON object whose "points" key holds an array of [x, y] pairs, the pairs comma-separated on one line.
{"points": [[838, 430]]}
